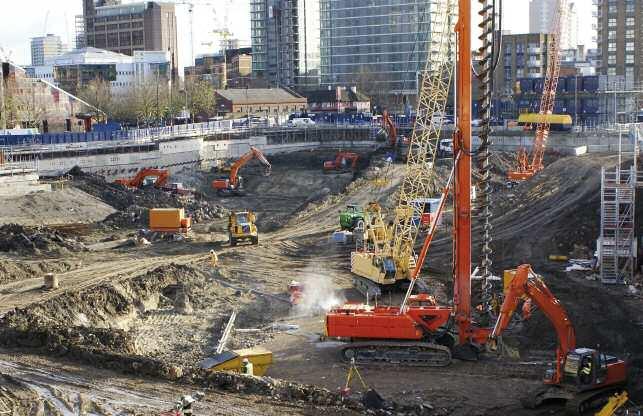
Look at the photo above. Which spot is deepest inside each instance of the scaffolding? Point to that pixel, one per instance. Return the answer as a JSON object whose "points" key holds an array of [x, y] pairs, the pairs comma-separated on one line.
{"points": [[618, 241]]}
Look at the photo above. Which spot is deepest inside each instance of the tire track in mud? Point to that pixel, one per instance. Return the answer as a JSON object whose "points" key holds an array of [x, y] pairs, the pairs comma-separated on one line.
{"points": [[22, 293], [116, 395]]}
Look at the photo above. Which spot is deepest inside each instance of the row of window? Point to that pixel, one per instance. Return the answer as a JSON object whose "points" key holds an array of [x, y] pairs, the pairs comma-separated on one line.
{"points": [[629, 47]]}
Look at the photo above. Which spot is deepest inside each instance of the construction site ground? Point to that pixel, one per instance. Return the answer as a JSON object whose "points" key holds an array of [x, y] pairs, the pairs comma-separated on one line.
{"points": [[109, 340]]}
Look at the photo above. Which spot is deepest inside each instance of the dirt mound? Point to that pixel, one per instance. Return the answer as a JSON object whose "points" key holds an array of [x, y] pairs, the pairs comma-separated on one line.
{"points": [[134, 203], [90, 318], [19, 270], [22, 240]]}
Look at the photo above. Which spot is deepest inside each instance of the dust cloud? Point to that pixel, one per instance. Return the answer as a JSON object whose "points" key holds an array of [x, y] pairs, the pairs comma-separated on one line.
{"points": [[319, 295]]}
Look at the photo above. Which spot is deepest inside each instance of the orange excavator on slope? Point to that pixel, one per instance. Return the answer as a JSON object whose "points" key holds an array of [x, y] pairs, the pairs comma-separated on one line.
{"points": [[233, 184], [161, 175], [583, 377], [389, 126]]}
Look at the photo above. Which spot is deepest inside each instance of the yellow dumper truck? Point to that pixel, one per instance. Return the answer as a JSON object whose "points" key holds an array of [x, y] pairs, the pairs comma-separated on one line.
{"points": [[241, 227]]}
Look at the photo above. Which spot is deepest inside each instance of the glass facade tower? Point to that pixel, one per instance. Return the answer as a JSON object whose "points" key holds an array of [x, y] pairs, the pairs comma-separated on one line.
{"points": [[378, 43], [285, 41]]}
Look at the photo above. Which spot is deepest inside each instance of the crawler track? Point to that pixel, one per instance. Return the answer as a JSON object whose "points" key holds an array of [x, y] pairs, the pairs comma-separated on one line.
{"points": [[416, 354]]}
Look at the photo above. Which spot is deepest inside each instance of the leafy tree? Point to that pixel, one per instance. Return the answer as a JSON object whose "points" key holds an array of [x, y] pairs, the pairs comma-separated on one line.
{"points": [[200, 97]]}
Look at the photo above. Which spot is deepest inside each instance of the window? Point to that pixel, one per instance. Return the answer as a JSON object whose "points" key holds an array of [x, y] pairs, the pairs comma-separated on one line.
{"points": [[611, 35], [629, 73], [611, 22], [630, 21], [611, 47], [611, 72], [611, 60], [629, 34], [629, 46], [629, 59]]}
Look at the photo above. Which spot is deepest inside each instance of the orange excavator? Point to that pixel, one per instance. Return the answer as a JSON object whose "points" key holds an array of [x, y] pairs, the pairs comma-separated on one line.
{"points": [[344, 162], [161, 175], [585, 378], [389, 126], [527, 165], [233, 184]]}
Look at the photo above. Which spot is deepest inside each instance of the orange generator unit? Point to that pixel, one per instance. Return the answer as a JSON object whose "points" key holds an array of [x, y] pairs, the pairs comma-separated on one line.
{"points": [[169, 220]]}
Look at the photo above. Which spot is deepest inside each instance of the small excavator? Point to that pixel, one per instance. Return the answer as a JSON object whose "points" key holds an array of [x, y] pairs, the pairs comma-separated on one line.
{"points": [[161, 175], [344, 162], [583, 377], [233, 184]]}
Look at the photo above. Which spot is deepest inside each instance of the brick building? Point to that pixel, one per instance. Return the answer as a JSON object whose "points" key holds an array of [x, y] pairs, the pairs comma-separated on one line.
{"points": [[126, 28]]}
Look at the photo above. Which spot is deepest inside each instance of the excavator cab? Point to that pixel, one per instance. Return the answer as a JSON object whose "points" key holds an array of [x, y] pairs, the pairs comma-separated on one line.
{"points": [[586, 368]]}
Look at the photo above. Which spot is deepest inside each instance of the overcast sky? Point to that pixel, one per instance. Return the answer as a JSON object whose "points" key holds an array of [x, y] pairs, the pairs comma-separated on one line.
{"points": [[22, 19]]}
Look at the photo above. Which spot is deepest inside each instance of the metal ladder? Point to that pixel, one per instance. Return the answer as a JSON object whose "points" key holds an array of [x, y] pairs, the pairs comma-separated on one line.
{"points": [[617, 243]]}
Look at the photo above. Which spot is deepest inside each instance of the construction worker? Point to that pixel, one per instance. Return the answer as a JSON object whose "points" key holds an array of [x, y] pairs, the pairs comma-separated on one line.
{"points": [[186, 405], [586, 371], [246, 367], [214, 259]]}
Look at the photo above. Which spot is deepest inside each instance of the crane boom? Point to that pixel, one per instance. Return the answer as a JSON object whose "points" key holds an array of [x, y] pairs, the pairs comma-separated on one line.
{"points": [[396, 260], [529, 165]]}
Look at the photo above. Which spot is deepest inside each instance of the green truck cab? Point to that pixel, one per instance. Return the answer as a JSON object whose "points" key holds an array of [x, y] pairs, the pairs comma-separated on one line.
{"points": [[351, 217]]}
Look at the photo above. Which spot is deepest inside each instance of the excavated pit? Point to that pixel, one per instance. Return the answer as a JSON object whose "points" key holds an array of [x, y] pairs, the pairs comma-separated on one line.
{"points": [[130, 322]]}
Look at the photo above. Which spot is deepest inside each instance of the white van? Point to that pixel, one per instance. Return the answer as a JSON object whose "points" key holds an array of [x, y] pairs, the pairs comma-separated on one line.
{"points": [[301, 122]]}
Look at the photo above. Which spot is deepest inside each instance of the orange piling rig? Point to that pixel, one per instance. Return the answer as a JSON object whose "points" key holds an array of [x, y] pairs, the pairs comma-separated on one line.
{"points": [[418, 332]]}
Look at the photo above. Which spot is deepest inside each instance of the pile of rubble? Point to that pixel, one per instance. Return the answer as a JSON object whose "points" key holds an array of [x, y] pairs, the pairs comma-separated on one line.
{"points": [[134, 203], [34, 240]]}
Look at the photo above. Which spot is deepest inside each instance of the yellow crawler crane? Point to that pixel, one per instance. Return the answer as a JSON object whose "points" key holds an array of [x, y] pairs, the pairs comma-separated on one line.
{"points": [[395, 260]]}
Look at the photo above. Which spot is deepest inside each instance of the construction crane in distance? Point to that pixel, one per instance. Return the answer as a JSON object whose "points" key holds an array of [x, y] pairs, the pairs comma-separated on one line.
{"points": [[527, 165], [191, 5], [395, 260]]}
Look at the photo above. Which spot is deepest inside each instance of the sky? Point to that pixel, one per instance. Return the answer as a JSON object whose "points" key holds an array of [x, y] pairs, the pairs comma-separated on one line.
{"points": [[21, 20]]}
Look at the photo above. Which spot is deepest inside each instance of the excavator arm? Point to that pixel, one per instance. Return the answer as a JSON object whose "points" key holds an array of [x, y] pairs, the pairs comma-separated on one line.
{"points": [[162, 176], [527, 283], [389, 126], [253, 153]]}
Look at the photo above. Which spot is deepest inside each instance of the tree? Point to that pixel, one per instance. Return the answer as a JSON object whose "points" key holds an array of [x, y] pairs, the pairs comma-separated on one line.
{"points": [[98, 93], [201, 98]]}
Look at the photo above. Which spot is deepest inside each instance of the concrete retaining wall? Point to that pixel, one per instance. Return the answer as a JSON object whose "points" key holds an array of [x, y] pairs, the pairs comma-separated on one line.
{"points": [[13, 184]]}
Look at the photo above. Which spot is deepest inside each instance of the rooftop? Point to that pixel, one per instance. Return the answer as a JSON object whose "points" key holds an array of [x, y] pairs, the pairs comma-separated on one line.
{"points": [[260, 95]]}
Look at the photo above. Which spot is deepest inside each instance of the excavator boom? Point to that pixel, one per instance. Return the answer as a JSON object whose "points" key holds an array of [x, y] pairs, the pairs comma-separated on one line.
{"points": [[526, 283], [161, 175], [232, 182]]}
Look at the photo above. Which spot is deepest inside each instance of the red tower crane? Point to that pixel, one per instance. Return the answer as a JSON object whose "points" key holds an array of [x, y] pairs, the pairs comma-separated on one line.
{"points": [[527, 165]]}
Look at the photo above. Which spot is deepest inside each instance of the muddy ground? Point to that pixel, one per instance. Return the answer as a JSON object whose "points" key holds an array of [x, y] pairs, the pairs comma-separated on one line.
{"points": [[116, 330]]}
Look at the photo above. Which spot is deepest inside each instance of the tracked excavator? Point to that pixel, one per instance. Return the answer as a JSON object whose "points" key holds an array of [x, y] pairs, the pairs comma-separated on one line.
{"points": [[233, 183], [161, 175], [584, 377]]}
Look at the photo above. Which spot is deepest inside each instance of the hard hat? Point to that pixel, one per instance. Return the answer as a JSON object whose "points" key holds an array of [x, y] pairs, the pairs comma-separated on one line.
{"points": [[187, 400], [211, 251], [245, 360]]}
